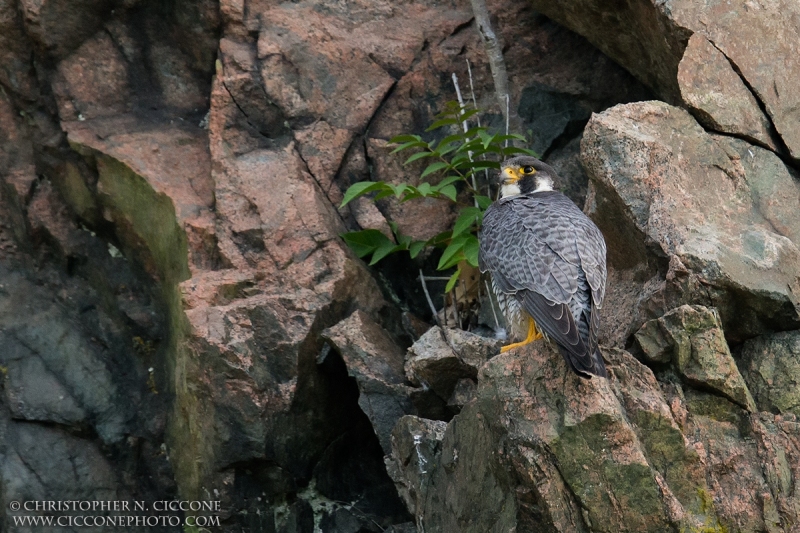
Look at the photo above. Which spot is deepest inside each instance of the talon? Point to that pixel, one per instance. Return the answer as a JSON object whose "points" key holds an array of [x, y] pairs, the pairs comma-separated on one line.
{"points": [[533, 335]]}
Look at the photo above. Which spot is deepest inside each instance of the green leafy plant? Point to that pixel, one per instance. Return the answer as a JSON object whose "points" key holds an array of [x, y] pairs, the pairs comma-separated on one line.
{"points": [[457, 160]]}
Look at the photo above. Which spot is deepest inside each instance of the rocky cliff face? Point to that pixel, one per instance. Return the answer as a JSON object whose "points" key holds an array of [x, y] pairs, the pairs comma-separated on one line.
{"points": [[179, 318]]}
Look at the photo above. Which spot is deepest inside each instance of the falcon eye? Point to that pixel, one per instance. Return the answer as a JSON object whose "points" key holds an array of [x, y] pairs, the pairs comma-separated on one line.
{"points": [[527, 170]]}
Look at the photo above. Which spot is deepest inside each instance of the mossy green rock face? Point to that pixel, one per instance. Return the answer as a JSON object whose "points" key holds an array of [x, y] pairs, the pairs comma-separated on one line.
{"points": [[541, 449], [772, 371], [692, 338], [571, 438], [607, 487]]}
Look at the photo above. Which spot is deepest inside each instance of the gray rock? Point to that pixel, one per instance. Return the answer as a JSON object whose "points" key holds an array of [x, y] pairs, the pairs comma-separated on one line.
{"points": [[434, 363], [649, 39], [548, 113], [771, 367], [416, 449], [662, 186], [32, 467], [692, 339], [541, 449], [33, 393], [463, 393], [717, 95], [44, 345]]}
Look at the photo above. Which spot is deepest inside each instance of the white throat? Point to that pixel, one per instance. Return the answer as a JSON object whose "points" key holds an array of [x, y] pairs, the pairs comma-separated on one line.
{"points": [[509, 189], [543, 184]]}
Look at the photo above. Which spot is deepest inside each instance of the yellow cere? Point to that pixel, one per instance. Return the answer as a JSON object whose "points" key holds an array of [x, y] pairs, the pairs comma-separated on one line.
{"points": [[511, 175]]}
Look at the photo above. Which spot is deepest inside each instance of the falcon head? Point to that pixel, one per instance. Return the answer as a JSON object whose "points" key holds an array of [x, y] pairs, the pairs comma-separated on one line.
{"points": [[525, 174]]}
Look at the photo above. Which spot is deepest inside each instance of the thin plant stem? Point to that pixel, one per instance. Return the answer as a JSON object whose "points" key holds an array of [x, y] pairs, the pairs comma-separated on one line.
{"points": [[478, 121], [465, 126], [491, 304], [456, 318], [428, 297]]}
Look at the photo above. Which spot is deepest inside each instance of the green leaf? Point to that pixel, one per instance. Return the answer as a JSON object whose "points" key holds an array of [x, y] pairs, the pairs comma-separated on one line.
{"points": [[383, 250], [450, 108], [459, 159], [468, 217], [418, 155], [407, 145], [405, 139], [486, 139], [468, 114], [416, 247], [440, 238], [452, 281], [365, 241], [458, 137], [424, 188], [442, 123], [411, 193], [510, 137], [469, 146], [480, 164], [474, 132], [449, 191], [491, 149], [434, 167], [453, 248], [448, 180], [511, 150], [483, 201], [399, 189], [383, 194], [453, 261], [359, 189], [402, 240], [471, 248], [447, 149]]}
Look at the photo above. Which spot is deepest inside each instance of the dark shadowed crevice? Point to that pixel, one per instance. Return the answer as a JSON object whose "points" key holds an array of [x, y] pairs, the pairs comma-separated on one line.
{"points": [[347, 488]]}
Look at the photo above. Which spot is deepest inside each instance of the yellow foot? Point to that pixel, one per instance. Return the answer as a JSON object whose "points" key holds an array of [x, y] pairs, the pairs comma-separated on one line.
{"points": [[533, 335]]}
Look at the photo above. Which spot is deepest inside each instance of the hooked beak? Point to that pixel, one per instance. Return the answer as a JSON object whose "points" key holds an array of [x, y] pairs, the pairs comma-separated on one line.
{"points": [[508, 176]]}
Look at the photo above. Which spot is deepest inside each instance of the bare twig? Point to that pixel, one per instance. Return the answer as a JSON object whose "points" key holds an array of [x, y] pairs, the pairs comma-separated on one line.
{"points": [[428, 297], [491, 304], [465, 126], [435, 314], [460, 101], [472, 91], [494, 52], [464, 292], [508, 105], [478, 121], [456, 318]]}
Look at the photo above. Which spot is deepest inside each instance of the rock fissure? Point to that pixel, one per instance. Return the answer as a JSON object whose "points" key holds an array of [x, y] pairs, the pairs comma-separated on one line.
{"points": [[783, 151], [233, 234]]}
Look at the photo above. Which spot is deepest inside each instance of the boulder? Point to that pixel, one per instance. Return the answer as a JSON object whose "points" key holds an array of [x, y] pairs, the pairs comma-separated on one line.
{"points": [[441, 359], [717, 96], [542, 448], [676, 190], [771, 367], [650, 39], [692, 339]]}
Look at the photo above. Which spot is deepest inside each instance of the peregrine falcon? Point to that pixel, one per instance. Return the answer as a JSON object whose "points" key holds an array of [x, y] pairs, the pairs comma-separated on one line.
{"points": [[548, 264]]}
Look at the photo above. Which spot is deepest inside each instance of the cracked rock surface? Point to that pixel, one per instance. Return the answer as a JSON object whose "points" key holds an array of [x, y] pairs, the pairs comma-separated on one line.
{"points": [[181, 320]]}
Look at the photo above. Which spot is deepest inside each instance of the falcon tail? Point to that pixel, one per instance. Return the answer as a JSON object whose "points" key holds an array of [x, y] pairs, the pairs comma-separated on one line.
{"points": [[598, 366]]}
